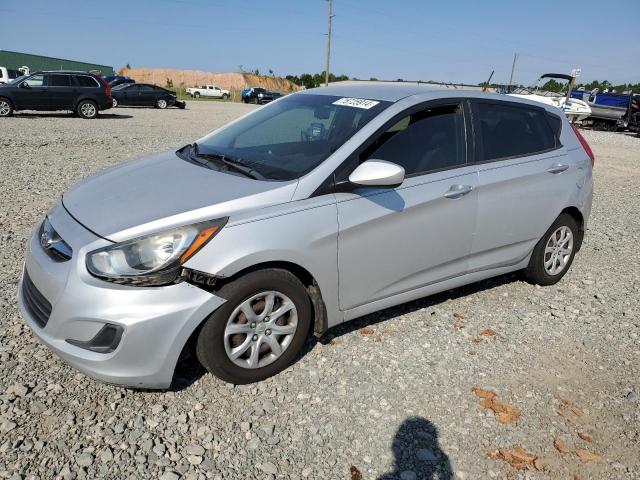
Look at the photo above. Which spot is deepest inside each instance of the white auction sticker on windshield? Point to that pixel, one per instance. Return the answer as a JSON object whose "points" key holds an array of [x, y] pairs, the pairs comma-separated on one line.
{"points": [[356, 102]]}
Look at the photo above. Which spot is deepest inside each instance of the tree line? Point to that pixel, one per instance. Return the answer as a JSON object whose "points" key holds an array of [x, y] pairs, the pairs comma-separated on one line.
{"points": [[554, 86]]}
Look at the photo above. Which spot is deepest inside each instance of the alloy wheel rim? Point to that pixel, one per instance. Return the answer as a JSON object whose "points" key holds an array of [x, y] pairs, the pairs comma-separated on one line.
{"points": [[4, 108], [162, 103], [115, 103], [558, 250], [260, 329], [88, 110]]}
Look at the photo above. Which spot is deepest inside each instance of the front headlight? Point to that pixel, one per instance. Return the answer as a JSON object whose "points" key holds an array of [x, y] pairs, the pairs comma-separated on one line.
{"points": [[153, 259]]}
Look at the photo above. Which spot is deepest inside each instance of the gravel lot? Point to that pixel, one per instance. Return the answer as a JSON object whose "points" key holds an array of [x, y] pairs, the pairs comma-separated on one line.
{"points": [[387, 396]]}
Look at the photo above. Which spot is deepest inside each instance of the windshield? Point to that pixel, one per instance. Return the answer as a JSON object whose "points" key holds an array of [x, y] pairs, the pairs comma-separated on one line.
{"points": [[290, 137]]}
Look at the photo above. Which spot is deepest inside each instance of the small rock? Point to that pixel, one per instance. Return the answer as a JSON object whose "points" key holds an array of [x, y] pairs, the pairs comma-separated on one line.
{"points": [[85, 460], [106, 455], [408, 475], [268, 467], [169, 475], [194, 450]]}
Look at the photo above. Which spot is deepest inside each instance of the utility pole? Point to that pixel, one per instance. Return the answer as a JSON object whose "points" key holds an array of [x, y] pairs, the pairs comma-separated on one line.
{"points": [[326, 72], [513, 68]]}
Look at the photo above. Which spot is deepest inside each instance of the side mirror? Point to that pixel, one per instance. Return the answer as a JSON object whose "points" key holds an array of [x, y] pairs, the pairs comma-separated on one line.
{"points": [[377, 173], [25, 85]]}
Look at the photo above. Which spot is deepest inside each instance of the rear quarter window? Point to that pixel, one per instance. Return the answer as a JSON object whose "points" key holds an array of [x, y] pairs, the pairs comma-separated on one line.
{"points": [[510, 130], [86, 81]]}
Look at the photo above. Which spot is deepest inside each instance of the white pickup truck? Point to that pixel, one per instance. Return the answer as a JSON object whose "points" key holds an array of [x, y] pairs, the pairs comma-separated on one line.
{"points": [[208, 91]]}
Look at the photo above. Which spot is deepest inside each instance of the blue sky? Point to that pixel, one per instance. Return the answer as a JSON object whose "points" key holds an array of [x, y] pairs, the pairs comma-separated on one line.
{"points": [[457, 41]]}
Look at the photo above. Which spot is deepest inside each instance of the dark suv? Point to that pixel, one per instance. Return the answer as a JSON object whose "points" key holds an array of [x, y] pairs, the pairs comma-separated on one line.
{"points": [[258, 95], [80, 92]]}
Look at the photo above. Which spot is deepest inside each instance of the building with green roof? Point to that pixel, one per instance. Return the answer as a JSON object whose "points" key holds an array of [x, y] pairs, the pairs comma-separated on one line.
{"points": [[15, 60]]}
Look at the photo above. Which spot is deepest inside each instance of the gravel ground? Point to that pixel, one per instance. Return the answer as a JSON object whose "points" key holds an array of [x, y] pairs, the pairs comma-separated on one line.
{"points": [[387, 396]]}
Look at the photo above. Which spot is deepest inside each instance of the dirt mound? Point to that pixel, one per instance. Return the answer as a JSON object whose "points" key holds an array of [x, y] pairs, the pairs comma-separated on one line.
{"points": [[193, 78]]}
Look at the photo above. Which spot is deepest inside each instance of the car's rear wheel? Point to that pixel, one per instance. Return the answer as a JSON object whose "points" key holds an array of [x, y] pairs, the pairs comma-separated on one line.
{"points": [[259, 330], [196, 95], [87, 109], [161, 103], [225, 96], [554, 253], [115, 103], [6, 108]]}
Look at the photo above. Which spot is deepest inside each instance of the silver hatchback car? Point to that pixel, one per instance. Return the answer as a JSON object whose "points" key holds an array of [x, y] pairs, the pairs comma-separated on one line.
{"points": [[318, 208]]}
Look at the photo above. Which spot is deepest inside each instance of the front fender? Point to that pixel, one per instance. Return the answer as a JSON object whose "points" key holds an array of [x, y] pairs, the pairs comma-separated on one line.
{"points": [[302, 233]]}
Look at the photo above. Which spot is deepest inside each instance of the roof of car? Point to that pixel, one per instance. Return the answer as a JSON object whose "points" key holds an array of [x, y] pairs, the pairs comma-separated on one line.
{"points": [[386, 91], [396, 91], [76, 72]]}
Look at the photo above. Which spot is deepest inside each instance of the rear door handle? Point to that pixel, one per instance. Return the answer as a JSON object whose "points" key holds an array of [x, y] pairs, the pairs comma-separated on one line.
{"points": [[457, 191], [557, 168]]}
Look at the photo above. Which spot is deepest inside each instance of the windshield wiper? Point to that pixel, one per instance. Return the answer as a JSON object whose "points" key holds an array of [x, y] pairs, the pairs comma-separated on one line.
{"points": [[232, 163]]}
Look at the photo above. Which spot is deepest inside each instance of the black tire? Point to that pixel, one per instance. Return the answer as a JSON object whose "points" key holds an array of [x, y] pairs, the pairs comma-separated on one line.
{"points": [[196, 95], [6, 107], [161, 103], [536, 272], [115, 103], [225, 96], [210, 345], [256, 101], [87, 109]]}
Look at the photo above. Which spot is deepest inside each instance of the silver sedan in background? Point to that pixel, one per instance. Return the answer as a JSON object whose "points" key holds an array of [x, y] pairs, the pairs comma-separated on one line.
{"points": [[318, 208]]}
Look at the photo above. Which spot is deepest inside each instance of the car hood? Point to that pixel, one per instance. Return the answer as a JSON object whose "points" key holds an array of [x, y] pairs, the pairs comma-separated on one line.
{"points": [[162, 191]]}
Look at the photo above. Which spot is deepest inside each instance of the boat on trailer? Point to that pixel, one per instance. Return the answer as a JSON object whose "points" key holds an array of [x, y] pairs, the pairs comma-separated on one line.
{"points": [[576, 110], [607, 108]]}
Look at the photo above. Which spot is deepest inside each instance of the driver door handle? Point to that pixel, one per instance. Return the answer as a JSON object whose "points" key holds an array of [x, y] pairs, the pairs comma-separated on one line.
{"points": [[457, 191], [557, 168]]}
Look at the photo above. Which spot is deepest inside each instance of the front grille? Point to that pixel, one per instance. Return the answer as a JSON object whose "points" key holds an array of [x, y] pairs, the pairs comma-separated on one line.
{"points": [[38, 306]]}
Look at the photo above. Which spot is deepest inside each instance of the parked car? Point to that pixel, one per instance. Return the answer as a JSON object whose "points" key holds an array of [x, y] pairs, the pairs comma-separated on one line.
{"points": [[144, 95], [115, 80], [258, 95], [8, 74], [80, 92], [322, 207], [208, 91]]}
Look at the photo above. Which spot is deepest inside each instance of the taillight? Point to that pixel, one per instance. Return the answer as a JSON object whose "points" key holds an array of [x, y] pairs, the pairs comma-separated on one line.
{"points": [[584, 144], [106, 85]]}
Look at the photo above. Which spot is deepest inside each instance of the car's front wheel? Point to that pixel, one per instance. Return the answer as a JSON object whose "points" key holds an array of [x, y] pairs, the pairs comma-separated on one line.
{"points": [[6, 108], [87, 109], [115, 103], [554, 253], [161, 103], [196, 95], [259, 330]]}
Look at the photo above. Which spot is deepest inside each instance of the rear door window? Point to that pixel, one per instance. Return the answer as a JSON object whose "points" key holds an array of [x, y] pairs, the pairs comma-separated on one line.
{"points": [[58, 80], [510, 130]]}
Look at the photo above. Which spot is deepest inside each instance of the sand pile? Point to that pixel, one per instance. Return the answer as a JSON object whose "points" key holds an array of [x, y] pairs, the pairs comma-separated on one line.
{"points": [[194, 78]]}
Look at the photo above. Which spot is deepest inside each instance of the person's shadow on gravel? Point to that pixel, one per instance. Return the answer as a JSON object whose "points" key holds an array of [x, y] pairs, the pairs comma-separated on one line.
{"points": [[417, 453]]}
